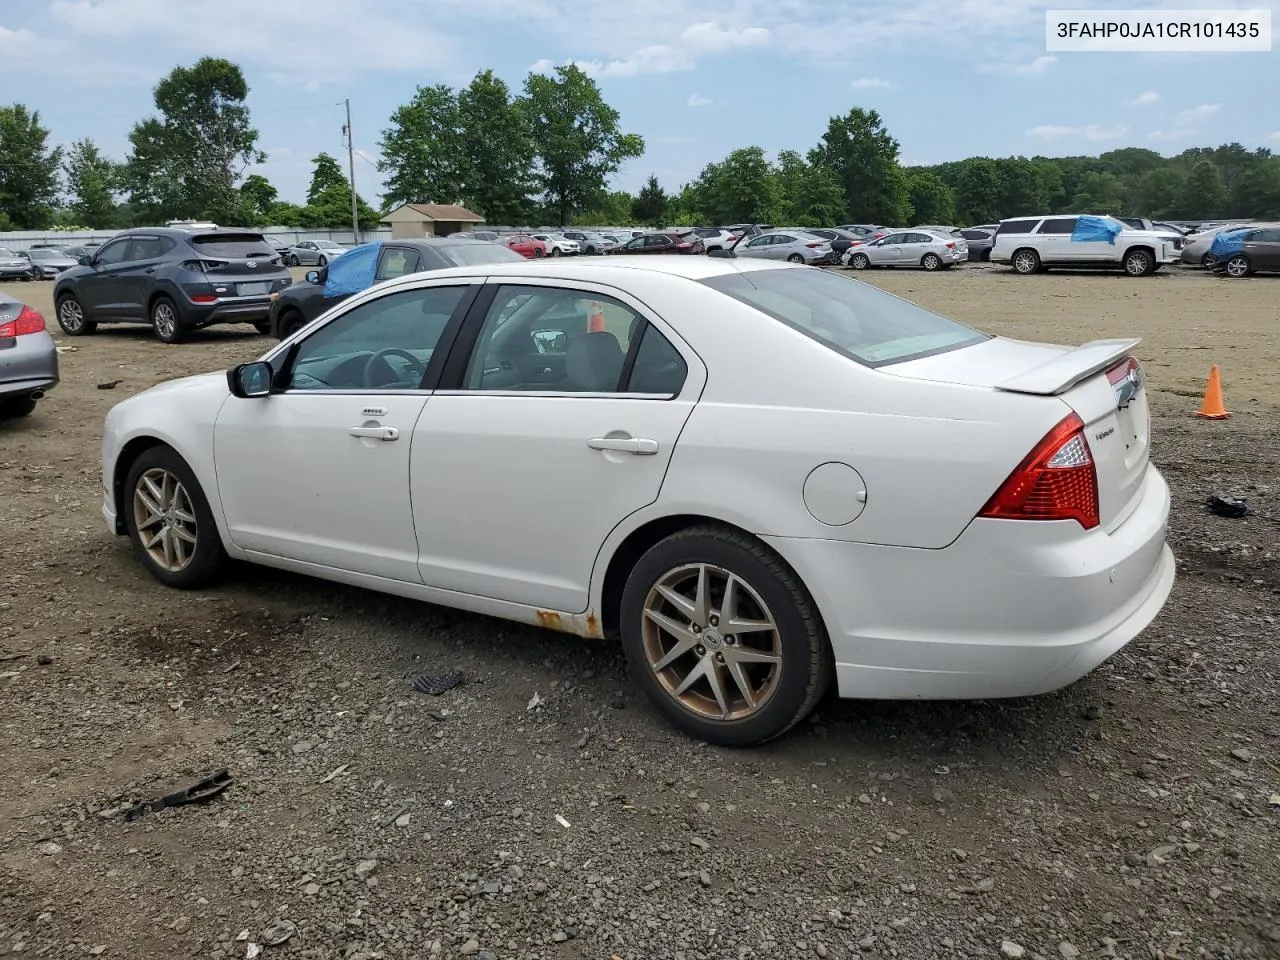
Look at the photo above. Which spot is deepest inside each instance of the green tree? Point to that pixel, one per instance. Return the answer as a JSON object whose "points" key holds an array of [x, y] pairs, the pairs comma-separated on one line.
{"points": [[1203, 194], [1156, 194], [92, 182], [808, 195], [650, 203], [1022, 188], [422, 150], [495, 152], [29, 169], [979, 191], [326, 174], [576, 138], [186, 162], [1257, 191], [742, 188], [864, 159], [281, 214], [611, 210], [932, 201], [1099, 192], [258, 196]]}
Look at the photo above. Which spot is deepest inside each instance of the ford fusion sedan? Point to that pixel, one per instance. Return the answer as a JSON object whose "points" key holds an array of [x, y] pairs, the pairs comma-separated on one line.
{"points": [[174, 280], [762, 479]]}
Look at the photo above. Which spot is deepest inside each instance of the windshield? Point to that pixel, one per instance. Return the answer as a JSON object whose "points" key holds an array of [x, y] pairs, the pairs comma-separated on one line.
{"points": [[480, 252], [851, 317], [6, 252], [46, 255], [328, 245]]}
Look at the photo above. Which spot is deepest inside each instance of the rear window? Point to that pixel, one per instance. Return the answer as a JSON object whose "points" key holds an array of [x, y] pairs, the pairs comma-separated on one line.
{"points": [[853, 318], [1016, 226], [233, 245], [480, 252]]}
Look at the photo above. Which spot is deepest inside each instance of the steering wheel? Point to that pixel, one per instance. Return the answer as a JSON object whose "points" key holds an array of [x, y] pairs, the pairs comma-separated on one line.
{"points": [[381, 357]]}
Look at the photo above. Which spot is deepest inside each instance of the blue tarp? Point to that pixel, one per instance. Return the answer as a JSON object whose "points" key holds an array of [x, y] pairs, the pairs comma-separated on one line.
{"points": [[1095, 230], [1228, 242], [353, 271]]}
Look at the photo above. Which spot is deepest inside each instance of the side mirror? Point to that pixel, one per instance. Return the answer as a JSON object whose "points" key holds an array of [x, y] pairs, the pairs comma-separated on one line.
{"points": [[550, 341], [313, 276], [85, 261], [250, 379]]}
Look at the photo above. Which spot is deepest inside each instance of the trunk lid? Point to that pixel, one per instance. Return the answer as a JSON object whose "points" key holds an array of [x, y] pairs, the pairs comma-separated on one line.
{"points": [[1100, 381], [245, 263]]}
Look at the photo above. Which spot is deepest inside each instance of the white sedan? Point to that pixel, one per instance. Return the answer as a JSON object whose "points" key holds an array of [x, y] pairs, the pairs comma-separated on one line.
{"points": [[761, 477]]}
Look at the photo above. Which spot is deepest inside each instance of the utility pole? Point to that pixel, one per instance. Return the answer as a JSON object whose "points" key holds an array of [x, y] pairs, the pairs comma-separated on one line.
{"points": [[351, 169]]}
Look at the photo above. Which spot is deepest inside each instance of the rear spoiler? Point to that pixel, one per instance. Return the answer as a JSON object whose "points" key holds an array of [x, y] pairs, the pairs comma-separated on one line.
{"points": [[1066, 370]]}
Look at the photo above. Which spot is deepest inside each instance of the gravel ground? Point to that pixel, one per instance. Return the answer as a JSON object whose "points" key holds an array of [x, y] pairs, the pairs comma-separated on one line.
{"points": [[542, 810]]}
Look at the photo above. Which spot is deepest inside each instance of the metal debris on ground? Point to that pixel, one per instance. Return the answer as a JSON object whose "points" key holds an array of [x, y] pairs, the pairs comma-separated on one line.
{"points": [[1230, 507], [438, 685], [337, 772], [110, 384], [278, 933], [203, 789]]}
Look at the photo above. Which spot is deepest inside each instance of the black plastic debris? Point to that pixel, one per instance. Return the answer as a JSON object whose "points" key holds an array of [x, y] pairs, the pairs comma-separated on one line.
{"points": [[110, 384], [203, 789], [438, 685], [1229, 507]]}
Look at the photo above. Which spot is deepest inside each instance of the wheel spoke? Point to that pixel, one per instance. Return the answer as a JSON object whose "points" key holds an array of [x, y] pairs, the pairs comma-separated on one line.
{"points": [[167, 538], [155, 538], [742, 682], [750, 655], [186, 516], [716, 681], [677, 600], [182, 533], [694, 675], [157, 495], [702, 599]]}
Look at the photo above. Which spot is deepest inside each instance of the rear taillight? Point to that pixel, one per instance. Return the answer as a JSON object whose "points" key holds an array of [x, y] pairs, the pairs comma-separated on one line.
{"points": [[28, 321], [814, 245], [1125, 368], [951, 245], [1056, 481]]}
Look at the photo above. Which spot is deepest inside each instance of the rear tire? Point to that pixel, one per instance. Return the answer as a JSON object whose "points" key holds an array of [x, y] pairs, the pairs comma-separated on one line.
{"points": [[1237, 267], [185, 516], [167, 322], [291, 321], [537, 254], [795, 258], [322, 261], [555, 251], [1026, 261], [17, 407], [785, 689], [293, 261], [931, 261], [71, 317]]}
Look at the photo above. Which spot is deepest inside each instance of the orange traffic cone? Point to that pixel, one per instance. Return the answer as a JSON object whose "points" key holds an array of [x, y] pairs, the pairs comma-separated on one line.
{"points": [[1213, 408], [595, 318]]}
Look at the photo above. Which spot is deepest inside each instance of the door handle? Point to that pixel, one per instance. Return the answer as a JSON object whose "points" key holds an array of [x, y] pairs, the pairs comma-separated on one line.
{"points": [[640, 446], [376, 433]]}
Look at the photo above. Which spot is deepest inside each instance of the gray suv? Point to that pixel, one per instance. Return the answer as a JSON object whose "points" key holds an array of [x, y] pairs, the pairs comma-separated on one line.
{"points": [[175, 280]]}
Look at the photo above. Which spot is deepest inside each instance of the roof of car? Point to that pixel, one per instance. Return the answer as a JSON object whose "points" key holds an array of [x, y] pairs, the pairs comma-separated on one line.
{"points": [[600, 268], [187, 233]]}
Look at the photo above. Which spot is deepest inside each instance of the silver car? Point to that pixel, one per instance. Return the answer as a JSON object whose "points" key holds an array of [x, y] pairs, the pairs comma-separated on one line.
{"points": [[910, 248], [50, 262], [15, 266], [791, 245], [314, 252], [28, 358], [1195, 246]]}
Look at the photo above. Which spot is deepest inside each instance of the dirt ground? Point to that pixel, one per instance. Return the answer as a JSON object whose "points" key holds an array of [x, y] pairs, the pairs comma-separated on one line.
{"points": [[1136, 814]]}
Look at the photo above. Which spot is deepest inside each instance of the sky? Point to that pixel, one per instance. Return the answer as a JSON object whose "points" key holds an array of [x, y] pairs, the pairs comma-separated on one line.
{"points": [[697, 79]]}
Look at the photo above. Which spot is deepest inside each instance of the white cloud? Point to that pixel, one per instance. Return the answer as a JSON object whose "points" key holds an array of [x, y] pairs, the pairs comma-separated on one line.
{"points": [[871, 83], [1037, 66], [697, 100], [1091, 131], [707, 37], [1274, 137], [543, 66], [1145, 99], [1176, 134], [713, 38], [1196, 114]]}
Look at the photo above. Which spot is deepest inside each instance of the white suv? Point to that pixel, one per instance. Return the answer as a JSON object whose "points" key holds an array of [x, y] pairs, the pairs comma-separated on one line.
{"points": [[1032, 244], [558, 246]]}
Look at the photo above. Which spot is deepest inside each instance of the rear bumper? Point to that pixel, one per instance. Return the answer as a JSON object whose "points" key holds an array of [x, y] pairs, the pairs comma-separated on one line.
{"points": [[1012, 608], [230, 310], [28, 364]]}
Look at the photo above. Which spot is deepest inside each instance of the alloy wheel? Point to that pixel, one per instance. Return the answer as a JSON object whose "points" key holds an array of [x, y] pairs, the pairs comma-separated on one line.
{"points": [[71, 315], [931, 261], [1237, 267], [860, 261], [165, 519], [1136, 264], [164, 319], [711, 642], [1025, 262]]}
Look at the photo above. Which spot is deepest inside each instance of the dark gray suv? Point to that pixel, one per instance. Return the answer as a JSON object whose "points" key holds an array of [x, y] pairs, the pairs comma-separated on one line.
{"points": [[175, 280]]}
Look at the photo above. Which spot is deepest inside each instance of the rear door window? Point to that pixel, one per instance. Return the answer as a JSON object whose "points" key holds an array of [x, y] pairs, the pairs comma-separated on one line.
{"points": [[396, 262], [1016, 226], [237, 246], [1058, 225]]}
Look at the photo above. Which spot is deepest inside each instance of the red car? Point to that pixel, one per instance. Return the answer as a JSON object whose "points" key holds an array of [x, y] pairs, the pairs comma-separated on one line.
{"points": [[527, 246], [688, 242]]}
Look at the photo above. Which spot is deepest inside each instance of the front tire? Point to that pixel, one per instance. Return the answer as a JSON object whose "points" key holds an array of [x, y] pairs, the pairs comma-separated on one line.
{"points": [[170, 523], [293, 260], [931, 261], [291, 321], [1026, 262], [555, 251], [322, 261], [1238, 267], [1139, 263], [71, 317], [860, 261], [723, 637], [537, 254], [167, 322], [263, 327]]}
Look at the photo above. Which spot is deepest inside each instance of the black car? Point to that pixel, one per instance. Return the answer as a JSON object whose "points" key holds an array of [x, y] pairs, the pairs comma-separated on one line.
{"points": [[841, 240], [295, 307], [175, 280], [980, 241]]}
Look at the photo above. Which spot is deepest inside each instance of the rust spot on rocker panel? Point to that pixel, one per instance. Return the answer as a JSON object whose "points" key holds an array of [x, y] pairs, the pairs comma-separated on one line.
{"points": [[579, 624]]}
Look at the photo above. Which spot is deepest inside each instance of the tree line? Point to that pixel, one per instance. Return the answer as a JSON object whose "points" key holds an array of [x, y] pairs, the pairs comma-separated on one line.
{"points": [[547, 153]]}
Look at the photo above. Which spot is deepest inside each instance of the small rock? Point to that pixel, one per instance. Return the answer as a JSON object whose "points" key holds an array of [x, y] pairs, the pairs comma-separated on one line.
{"points": [[1012, 950], [700, 843], [539, 887], [44, 660], [49, 848], [470, 947], [1091, 711], [704, 878], [1068, 950], [181, 925], [943, 795], [820, 949], [559, 936], [365, 868], [302, 746], [864, 798], [403, 819], [1243, 754], [311, 889]]}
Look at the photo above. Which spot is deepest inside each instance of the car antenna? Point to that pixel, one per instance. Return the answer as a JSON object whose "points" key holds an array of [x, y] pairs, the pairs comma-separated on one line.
{"points": [[729, 252]]}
